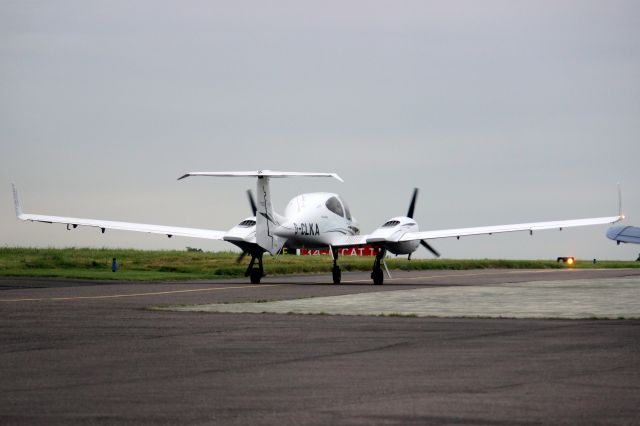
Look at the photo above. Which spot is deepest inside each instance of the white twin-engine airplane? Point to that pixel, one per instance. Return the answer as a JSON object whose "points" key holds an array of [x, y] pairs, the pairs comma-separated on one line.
{"points": [[314, 220]]}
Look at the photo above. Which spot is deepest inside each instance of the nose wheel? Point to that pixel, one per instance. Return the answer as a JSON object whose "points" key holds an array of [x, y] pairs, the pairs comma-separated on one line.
{"points": [[337, 274], [335, 271]]}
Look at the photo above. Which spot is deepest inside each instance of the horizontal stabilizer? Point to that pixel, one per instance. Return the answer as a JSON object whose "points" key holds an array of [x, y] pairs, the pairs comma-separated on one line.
{"points": [[262, 173]]}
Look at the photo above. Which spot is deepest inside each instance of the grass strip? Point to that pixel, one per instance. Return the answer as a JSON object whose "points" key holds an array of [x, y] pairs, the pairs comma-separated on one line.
{"points": [[145, 265]]}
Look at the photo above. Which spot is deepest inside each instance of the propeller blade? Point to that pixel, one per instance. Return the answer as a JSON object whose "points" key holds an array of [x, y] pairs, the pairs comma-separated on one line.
{"points": [[412, 206], [254, 208], [428, 247], [242, 255]]}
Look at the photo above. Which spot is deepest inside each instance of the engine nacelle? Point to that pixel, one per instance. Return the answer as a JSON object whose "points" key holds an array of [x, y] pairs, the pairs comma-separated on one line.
{"points": [[245, 231], [389, 234]]}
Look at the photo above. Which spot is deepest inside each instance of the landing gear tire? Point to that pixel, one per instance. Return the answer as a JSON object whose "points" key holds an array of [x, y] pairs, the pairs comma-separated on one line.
{"points": [[377, 276], [335, 271], [256, 276], [337, 274]]}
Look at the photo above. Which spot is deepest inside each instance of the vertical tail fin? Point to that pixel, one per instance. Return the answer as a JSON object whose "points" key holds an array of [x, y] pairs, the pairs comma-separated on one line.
{"points": [[266, 219]]}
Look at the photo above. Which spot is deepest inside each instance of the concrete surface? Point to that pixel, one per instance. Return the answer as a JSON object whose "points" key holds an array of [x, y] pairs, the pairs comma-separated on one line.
{"points": [[91, 353], [586, 298]]}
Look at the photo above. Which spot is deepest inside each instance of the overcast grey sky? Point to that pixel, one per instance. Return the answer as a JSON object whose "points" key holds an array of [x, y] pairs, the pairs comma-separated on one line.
{"points": [[499, 111]]}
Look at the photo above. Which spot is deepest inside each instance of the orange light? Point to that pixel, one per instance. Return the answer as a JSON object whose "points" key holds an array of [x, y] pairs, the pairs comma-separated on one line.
{"points": [[570, 261]]}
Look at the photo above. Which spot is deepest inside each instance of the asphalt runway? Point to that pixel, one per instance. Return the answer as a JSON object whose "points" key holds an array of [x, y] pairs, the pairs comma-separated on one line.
{"points": [[85, 352]]}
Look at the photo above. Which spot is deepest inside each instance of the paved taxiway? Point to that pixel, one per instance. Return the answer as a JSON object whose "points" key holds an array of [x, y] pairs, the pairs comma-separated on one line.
{"points": [[74, 352]]}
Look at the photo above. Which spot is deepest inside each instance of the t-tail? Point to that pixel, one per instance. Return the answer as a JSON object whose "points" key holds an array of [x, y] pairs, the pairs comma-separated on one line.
{"points": [[267, 220]]}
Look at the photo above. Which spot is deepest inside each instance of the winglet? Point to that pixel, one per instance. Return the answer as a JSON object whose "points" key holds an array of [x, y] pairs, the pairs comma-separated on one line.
{"points": [[16, 202], [620, 214]]}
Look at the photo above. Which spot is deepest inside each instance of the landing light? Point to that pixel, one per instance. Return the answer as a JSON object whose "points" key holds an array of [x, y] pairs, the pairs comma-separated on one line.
{"points": [[569, 260]]}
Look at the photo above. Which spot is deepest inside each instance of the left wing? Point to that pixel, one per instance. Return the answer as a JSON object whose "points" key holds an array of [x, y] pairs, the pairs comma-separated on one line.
{"points": [[533, 226], [122, 226]]}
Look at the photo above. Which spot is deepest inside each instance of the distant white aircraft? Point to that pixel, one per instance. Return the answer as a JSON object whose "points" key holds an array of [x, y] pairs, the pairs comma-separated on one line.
{"points": [[312, 220], [624, 234]]}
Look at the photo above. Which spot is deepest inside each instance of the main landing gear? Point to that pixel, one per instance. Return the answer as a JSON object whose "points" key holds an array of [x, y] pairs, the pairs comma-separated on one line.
{"points": [[335, 271], [376, 275], [256, 274]]}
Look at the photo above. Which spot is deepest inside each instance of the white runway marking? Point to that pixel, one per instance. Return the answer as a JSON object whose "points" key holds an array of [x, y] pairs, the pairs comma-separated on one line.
{"points": [[152, 293]]}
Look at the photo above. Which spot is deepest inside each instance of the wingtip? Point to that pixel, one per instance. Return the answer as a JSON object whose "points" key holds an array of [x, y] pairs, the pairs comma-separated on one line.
{"points": [[335, 175], [620, 213], [184, 176], [16, 201]]}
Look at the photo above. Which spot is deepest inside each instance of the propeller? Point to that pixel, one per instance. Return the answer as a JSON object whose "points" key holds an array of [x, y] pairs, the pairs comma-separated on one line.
{"points": [[242, 255], [254, 210], [426, 245], [412, 207]]}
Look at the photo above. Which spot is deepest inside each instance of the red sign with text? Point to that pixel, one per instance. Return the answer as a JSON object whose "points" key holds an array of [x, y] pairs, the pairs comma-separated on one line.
{"points": [[351, 251]]}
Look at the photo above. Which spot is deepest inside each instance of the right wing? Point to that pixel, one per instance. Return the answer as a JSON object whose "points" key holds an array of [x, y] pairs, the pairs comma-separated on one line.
{"points": [[533, 226], [359, 240], [122, 226]]}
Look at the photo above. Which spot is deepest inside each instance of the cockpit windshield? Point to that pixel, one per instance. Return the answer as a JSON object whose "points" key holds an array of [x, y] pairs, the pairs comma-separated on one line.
{"points": [[346, 210], [334, 205]]}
